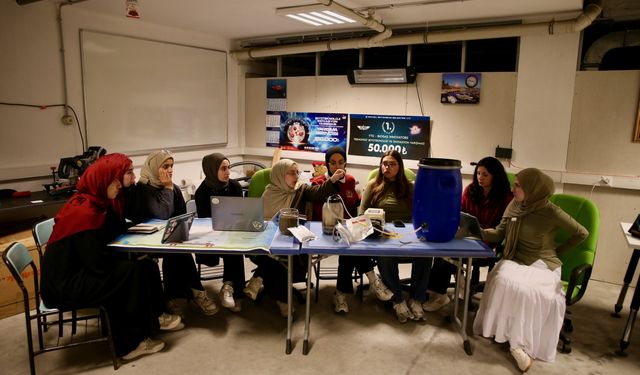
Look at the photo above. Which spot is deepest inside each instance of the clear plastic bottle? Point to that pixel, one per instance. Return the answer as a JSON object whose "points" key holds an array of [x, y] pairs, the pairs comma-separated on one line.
{"points": [[332, 212]]}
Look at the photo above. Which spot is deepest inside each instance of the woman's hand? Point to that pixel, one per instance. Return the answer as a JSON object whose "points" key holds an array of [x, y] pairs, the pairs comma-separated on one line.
{"points": [[165, 178], [337, 175]]}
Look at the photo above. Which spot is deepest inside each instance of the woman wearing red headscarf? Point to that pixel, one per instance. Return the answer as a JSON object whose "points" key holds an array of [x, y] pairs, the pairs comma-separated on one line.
{"points": [[78, 270]]}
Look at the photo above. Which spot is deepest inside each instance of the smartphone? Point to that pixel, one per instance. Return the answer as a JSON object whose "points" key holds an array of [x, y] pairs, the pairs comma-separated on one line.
{"points": [[398, 224]]}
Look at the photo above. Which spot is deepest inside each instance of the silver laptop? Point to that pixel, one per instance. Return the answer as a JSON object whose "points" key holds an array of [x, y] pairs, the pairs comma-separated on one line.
{"points": [[237, 213]]}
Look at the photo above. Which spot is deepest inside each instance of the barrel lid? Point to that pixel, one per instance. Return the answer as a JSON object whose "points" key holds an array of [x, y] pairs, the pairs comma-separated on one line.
{"points": [[437, 162]]}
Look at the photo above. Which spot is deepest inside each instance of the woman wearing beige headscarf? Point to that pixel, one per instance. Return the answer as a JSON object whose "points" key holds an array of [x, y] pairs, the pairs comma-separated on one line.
{"points": [[157, 197], [523, 301], [284, 191]]}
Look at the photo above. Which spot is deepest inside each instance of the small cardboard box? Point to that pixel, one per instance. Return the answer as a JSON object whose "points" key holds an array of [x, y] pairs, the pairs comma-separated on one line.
{"points": [[11, 300]]}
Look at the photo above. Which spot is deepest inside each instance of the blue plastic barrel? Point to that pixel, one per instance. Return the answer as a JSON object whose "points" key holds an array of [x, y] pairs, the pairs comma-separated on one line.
{"points": [[436, 199]]}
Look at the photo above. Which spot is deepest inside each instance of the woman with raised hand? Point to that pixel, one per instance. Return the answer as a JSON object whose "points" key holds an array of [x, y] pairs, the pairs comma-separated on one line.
{"points": [[392, 191], [78, 270], [218, 182], [486, 198], [336, 158], [284, 191], [157, 197], [523, 301]]}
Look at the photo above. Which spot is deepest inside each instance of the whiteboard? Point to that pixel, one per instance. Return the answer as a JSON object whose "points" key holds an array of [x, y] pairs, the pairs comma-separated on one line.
{"points": [[143, 95]]}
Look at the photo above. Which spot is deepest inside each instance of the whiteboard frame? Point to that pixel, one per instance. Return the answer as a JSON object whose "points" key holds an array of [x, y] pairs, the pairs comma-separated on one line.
{"points": [[140, 152]]}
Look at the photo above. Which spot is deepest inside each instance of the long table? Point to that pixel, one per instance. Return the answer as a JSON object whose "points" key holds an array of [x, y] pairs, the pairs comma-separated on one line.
{"points": [[407, 245], [204, 240]]}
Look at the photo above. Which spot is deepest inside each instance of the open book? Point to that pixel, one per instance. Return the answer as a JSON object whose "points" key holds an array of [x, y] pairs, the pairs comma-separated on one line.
{"points": [[143, 228]]}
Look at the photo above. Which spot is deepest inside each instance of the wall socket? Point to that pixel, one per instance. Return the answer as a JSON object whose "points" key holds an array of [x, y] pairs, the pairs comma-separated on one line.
{"points": [[606, 180], [66, 120]]}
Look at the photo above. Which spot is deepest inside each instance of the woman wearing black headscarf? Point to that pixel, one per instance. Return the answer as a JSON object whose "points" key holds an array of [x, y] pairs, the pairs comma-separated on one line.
{"points": [[218, 183], [335, 158]]}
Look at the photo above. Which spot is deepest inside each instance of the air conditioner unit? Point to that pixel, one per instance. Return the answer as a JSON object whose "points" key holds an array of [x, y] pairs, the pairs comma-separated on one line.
{"points": [[382, 76]]}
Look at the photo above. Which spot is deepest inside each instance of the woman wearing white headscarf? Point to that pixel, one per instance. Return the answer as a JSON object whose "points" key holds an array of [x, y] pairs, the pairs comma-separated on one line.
{"points": [[156, 196], [284, 191], [523, 301]]}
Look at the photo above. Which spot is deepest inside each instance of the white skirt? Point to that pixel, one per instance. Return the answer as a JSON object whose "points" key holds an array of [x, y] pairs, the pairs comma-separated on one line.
{"points": [[524, 305]]}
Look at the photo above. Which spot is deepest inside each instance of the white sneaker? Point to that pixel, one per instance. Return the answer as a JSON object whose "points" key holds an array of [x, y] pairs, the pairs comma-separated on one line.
{"points": [[170, 322], [204, 302], [402, 311], [176, 307], [416, 309], [382, 292], [522, 359], [340, 302], [284, 309], [146, 346], [436, 302], [226, 295], [237, 307], [253, 288]]}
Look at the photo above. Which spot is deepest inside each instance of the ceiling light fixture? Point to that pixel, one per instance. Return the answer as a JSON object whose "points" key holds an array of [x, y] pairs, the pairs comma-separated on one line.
{"points": [[378, 76], [315, 15]]}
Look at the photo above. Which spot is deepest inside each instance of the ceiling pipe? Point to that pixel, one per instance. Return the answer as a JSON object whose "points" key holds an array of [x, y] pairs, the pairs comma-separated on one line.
{"points": [[543, 28], [599, 48]]}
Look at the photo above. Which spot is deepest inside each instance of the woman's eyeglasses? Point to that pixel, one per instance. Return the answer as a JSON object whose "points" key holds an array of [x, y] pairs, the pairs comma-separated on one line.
{"points": [[389, 164], [293, 173]]}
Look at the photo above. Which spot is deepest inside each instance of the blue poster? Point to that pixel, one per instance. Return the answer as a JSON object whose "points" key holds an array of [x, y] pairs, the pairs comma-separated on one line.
{"points": [[315, 132], [373, 135]]}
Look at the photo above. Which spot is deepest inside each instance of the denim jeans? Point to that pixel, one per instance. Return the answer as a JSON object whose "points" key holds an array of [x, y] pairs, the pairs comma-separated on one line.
{"points": [[420, 269]]}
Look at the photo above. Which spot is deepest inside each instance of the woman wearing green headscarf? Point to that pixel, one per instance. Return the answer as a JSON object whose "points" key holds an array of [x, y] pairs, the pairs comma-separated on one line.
{"points": [[523, 302]]}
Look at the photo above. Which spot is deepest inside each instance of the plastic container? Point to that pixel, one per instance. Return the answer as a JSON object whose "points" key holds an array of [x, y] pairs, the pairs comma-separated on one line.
{"points": [[436, 199], [332, 213]]}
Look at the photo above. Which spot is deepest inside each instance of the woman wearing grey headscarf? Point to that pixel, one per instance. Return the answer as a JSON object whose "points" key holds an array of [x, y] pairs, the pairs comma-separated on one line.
{"points": [[157, 197], [523, 301], [218, 182]]}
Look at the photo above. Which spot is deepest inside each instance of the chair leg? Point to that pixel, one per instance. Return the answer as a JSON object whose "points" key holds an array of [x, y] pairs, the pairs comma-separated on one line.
{"points": [[74, 321], [565, 336], [316, 269], [106, 323]]}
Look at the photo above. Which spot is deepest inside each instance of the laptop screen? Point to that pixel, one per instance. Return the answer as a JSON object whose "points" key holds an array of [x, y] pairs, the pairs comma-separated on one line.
{"points": [[237, 214], [177, 229]]}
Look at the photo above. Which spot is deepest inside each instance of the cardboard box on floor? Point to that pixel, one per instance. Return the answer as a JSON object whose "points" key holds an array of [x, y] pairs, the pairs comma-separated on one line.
{"points": [[11, 300]]}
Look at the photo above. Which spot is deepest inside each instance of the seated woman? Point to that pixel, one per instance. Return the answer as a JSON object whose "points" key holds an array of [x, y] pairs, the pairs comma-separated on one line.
{"points": [[485, 198], [217, 182], [336, 158], [78, 270], [285, 192], [523, 301], [392, 192], [156, 196]]}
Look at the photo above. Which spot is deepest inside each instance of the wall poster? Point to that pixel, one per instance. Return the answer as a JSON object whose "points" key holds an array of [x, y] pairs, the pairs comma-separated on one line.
{"points": [[373, 135], [460, 88], [315, 132]]}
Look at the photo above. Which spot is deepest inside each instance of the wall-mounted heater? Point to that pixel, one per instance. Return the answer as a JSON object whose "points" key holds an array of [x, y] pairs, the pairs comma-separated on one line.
{"points": [[378, 76]]}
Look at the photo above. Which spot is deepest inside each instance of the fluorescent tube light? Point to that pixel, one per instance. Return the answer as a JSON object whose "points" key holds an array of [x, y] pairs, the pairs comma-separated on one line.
{"points": [[382, 76], [315, 15]]}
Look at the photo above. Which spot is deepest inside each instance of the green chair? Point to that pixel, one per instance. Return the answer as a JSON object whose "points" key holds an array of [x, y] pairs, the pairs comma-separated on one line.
{"points": [[411, 176], [512, 178], [577, 263], [21, 265], [259, 182]]}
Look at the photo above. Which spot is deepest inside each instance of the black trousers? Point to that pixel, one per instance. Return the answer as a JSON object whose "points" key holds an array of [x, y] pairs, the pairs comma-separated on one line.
{"points": [[180, 276], [274, 274], [346, 264], [233, 269]]}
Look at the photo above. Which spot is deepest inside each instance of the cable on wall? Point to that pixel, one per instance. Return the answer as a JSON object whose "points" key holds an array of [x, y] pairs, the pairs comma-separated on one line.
{"points": [[46, 106]]}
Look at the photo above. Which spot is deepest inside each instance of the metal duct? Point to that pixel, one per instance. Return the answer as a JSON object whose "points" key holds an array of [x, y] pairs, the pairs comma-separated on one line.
{"points": [[544, 28], [599, 48]]}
